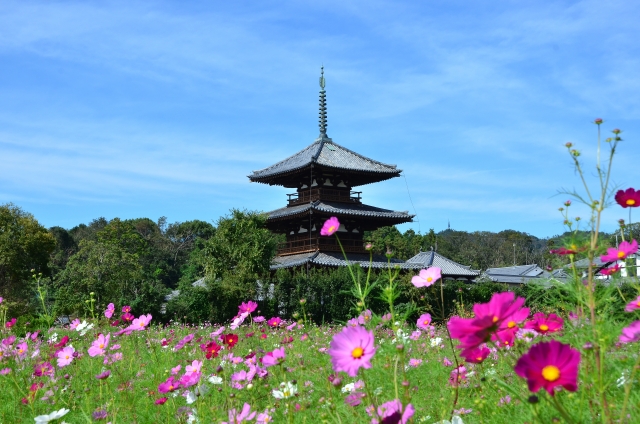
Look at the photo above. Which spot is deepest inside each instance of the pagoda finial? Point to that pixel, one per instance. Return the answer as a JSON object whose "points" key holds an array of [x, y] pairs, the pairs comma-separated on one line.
{"points": [[323, 106]]}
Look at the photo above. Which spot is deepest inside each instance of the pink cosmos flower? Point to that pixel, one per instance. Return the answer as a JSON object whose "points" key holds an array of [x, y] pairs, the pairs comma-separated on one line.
{"points": [[365, 317], [633, 305], [631, 333], [247, 307], [424, 321], [168, 386], [65, 356], [274, 322], [99, 346], [274, 358], [628, 198], [354, 398], [393, 412], [625, 249], [610, 271], [352, 349], [548, 365], [21, 350], [195, 367], [44, 369], [330, 226], [545, 324], [142, 322], [427, 277], [237, 321], [10, 323], [458, 376], [103, 375], [415, 362], [245, 415], [110, 310], [161, 401], [476, 355], [259, 319]]}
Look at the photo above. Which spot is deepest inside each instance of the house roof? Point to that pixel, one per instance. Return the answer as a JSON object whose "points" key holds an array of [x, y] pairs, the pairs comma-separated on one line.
{"points": [[519, 274], [325, 152], [341, 209], [449, 268], [517, 270]]}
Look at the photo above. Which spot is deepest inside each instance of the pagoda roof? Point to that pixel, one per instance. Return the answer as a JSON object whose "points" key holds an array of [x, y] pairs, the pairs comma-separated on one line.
{"points": [[341, 209], [422, 260], [326, 153]]}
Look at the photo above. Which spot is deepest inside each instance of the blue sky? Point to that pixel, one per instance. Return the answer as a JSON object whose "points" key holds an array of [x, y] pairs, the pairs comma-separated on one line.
{"points": [[149, 109]]}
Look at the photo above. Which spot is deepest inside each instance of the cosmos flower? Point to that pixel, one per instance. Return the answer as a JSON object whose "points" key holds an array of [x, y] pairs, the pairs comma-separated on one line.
{"points": [[110, 310], [168, 386], [625, 249], [274, 322], [230, 339], [274, 358], [44, 369], [52, 416], [631, 333], [245, 415], [545, 324], [633, 305], [287, 390], [247, 307], [424, 321], [628, 198], [211, 349], [352, 349], [65, 356], [476, 355], [427, 277], [330, 226], [100, 345], [548, 365], [610, 271], [394, 412]]}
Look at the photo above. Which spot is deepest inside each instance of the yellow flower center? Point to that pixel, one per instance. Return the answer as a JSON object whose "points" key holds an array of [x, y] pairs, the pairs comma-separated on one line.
{"points": [[101, 345], [495, 318], [357, 353], [511, 324], [638, 303], [506, 342], [631, 202], [479, 358], [544, 327], [550, 373], [426, 322], [331, 229], [621, 254], [429, 279]]}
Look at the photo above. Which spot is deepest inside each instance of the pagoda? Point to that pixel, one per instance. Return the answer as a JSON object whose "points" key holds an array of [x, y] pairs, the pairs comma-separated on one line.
{"points": [[324, 176]]}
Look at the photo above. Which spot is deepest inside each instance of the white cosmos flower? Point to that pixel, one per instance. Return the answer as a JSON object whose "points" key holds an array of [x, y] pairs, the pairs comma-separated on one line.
{"points": [[437, 341], [52, 416], [455, 420], [214, 379], [83, 327], [287, 390], [348, 388]]}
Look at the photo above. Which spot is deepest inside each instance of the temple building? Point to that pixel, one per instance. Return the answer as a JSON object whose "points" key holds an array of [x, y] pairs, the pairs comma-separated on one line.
{"points": [[325, 177]]}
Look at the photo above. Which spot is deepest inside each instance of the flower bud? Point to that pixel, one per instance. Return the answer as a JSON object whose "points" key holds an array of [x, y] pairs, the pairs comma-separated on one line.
{"points": [[368, 246], [303, 301], [568, 145], [616, 131], [575, 153], [598, 121], [567, 203]]}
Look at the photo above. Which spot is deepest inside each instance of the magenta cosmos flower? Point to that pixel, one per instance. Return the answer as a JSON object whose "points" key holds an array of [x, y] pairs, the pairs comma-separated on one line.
{"points": [[393, 412], [351, 349], [426, 277], [424, 321], [633, 305], [489, 317], [274, 322], [628, 198], [247, 307], [631, 333], [330, 226], [625, 249], [544, 324], [548, 365]]}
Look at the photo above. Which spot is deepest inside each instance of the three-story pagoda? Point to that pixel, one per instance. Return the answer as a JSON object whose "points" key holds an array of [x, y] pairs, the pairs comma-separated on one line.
{"points": [[324, 176]]}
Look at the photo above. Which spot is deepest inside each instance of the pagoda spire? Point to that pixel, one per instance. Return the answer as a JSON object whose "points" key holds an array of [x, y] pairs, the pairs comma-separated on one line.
{"points": [[323, 106]]}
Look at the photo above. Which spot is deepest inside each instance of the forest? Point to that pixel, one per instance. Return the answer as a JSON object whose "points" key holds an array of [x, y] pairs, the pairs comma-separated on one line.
{"points": [[140, 261]]}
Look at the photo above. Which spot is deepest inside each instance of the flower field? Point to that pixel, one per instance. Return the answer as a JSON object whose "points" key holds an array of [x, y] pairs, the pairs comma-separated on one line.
{"points": [[494, 362], [275, 371]]}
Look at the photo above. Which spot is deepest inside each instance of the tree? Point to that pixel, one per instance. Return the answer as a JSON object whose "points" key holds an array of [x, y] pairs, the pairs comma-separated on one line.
{"points": [[24, 245], [234, 258]]}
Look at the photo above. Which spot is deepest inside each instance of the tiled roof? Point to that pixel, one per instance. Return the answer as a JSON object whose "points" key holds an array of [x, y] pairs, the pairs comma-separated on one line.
{"points": [[517, 270], [340, 209], [327, 153], [449, 268]]}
